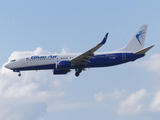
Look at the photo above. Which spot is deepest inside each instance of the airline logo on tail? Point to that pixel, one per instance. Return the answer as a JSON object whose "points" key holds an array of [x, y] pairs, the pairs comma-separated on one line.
{"points": [[139, 35]]}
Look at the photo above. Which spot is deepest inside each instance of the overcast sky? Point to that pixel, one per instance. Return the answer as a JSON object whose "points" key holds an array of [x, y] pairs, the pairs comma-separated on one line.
{"points": [[125, 92]]}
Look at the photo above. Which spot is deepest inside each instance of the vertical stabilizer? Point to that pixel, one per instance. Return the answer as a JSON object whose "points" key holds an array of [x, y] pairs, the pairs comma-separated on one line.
{"points": [[137, 42]]}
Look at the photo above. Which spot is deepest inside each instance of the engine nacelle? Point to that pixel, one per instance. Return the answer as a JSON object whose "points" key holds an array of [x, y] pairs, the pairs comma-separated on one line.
{"points": [[63, 64], [60, 71]]}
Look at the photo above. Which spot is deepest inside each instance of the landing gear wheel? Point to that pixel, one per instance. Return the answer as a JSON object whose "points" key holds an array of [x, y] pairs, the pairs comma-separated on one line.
{"points": [[77, 74], [19, 74], [78, 71]]}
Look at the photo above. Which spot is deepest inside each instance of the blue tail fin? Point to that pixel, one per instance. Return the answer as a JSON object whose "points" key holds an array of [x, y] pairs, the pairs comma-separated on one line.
{"points": [[137, 42]]}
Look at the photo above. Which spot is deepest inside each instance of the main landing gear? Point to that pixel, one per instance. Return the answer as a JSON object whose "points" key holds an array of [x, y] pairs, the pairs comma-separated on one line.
{"points": [[78, 71]]}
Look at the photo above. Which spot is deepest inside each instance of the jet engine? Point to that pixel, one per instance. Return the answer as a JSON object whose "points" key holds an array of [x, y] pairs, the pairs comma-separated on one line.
{"points": [[60, 71]]}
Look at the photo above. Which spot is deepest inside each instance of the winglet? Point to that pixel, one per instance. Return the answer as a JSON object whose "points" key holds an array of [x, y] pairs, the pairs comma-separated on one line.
{"points": [[143, 51], [104, 39]]}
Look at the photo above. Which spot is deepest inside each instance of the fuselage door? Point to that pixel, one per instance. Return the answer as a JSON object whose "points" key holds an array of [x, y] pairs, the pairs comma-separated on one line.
{"points": [[23, 61], [123, 56]]}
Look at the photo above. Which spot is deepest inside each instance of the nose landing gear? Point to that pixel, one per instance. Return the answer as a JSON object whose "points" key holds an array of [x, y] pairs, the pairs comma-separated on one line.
{"points": [[19, 74]]}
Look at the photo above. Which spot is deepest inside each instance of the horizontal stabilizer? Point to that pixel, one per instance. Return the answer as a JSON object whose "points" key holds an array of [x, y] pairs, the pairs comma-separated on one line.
{"points": [[143, 51]]}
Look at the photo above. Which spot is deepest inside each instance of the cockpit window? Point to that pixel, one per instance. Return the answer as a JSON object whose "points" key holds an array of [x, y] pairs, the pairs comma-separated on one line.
{"points": [[13, 60]]}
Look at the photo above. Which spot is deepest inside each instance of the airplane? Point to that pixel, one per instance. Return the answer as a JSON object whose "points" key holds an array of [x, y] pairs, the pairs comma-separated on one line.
{"points": [[62, 64]]}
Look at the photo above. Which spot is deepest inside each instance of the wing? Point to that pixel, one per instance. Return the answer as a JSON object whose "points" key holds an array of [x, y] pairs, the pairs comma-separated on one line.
{"points": [[83, 58]]}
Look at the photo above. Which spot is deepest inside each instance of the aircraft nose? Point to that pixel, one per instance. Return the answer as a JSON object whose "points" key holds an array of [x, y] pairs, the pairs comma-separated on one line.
{"points": [[7, 65]]}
